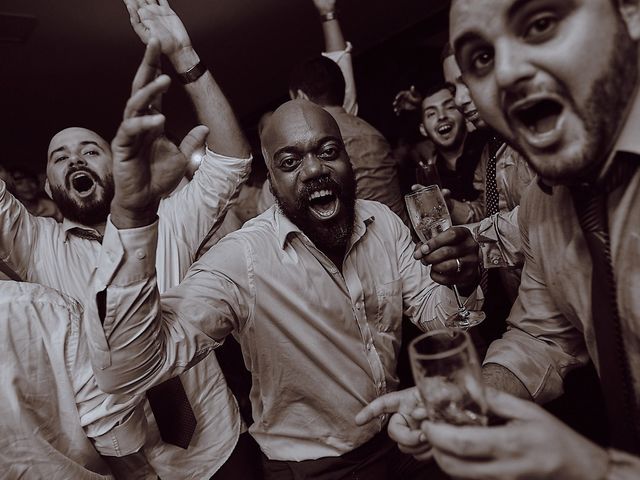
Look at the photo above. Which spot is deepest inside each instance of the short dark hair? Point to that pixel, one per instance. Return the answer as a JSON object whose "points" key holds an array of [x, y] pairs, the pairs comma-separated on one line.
{"points": [[435, 88], [320, 79]]}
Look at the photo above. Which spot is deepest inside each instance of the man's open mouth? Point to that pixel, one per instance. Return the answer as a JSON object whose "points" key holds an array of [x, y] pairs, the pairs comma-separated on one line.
{"points": [[324, 204], [471, 115], [82, 183], [444, 128], [539, 120]]}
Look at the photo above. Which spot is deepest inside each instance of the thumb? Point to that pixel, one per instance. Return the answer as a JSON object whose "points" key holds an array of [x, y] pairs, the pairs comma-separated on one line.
{"points": [[193, 140], [509, 407]]}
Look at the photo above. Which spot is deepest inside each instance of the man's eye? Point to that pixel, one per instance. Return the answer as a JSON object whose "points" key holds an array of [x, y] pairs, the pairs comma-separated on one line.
{"points": [[60, 158], [481, 61], [540, 27], [91, 152], [289, 163], [329, 152]]}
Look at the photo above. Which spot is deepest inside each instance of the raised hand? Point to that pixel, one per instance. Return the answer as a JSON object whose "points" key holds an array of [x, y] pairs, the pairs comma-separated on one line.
{"points": [[156, 19], [407, 100], [325, 6], [146, 165]]}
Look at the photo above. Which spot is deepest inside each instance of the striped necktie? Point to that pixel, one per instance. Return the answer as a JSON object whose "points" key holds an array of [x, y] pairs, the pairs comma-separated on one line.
{"points": [[590, 204]]}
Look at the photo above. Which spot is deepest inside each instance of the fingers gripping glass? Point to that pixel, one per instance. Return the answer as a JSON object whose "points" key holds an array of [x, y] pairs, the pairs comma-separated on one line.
{"points": [[447, 373], [430, 217]]}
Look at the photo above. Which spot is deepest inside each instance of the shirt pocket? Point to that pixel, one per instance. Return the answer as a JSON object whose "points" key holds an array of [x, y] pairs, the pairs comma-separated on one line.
{"points": [[389, 315]]}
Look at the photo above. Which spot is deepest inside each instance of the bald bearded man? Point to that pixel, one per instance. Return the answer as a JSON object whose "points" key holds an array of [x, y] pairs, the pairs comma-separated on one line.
{"points": [[314, 290]]}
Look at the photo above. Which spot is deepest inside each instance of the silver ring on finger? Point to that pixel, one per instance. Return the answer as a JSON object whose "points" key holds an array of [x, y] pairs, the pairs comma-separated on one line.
{"points": [[459, 265]]}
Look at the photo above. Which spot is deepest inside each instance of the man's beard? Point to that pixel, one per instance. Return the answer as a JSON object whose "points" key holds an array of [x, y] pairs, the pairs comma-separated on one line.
{"points": [[331, 235], [91, 210], [604, 113]]}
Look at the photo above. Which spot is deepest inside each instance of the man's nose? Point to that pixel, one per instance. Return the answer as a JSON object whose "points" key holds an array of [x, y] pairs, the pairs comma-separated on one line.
{"points": [[511, 64], [312, 167], [77, 160]]}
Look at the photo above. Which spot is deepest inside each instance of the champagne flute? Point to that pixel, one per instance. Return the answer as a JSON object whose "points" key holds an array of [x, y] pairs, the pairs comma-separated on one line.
{"points": [[446, 370], [430, 217]]}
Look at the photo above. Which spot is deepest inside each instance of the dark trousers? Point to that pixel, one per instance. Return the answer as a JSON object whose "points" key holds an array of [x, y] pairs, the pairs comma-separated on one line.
{"points": [[244, 463], [378, 459]]}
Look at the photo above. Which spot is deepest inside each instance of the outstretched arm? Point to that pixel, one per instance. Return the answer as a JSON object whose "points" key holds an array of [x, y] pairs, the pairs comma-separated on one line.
{"points": [[338, 50], [135, 341], [333, 37], [155, 18]]}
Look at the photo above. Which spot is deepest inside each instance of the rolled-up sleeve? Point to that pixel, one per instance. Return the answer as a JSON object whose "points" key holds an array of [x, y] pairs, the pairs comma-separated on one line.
{"points": [[202, 204], [343, 59], [540, 346]]}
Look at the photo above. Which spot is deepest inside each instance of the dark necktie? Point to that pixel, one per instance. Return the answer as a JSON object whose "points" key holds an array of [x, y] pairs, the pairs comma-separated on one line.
{"points": [[615, 374], [172, 411], [491, 186], [169, 402], [491, 198]]}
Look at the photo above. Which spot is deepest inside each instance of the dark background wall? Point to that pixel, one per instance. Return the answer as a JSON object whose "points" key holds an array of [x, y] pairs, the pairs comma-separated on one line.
{"points": [[70, 62]]}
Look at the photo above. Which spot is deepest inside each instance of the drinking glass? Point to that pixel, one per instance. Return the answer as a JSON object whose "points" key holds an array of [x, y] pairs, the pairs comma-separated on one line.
{"points": [[430, 217], [447, 373]]}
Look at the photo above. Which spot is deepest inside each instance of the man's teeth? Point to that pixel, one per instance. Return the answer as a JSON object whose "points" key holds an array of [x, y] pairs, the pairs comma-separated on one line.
{"points": [[319, 194], [445, 129]]}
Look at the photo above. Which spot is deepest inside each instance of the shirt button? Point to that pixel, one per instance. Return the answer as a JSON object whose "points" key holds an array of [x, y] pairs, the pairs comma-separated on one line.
{"points": [[359, 305], [369, 346], [140, 254], [495, 261]]}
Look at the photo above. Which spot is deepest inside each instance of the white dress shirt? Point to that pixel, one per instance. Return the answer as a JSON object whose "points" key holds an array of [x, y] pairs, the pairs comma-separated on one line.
{"points": [[320, 342], [43, 364], [52, 254]]}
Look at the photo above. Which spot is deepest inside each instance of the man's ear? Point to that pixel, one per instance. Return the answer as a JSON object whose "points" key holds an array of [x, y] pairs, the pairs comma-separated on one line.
{"points": [[47, 187], [423, 131], [630, 13]]}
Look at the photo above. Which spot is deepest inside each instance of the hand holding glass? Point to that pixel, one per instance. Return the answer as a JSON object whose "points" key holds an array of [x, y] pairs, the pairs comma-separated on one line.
{"points": [[430, 217], [447, 373]]}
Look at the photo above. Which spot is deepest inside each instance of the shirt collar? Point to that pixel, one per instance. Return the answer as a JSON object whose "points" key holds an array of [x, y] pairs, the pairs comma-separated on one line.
{"points": [[285, 227], [333, 109], [69, 225]]}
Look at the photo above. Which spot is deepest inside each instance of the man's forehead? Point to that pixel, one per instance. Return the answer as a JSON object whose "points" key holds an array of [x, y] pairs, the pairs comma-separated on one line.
{"points": [[297, 121], [467, 16], [73, 136], [437, 98]]}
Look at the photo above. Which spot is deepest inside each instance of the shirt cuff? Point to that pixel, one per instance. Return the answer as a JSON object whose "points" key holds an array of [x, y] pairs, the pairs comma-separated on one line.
{"points": [[128, 256], [338, 54], [211, 153]]}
